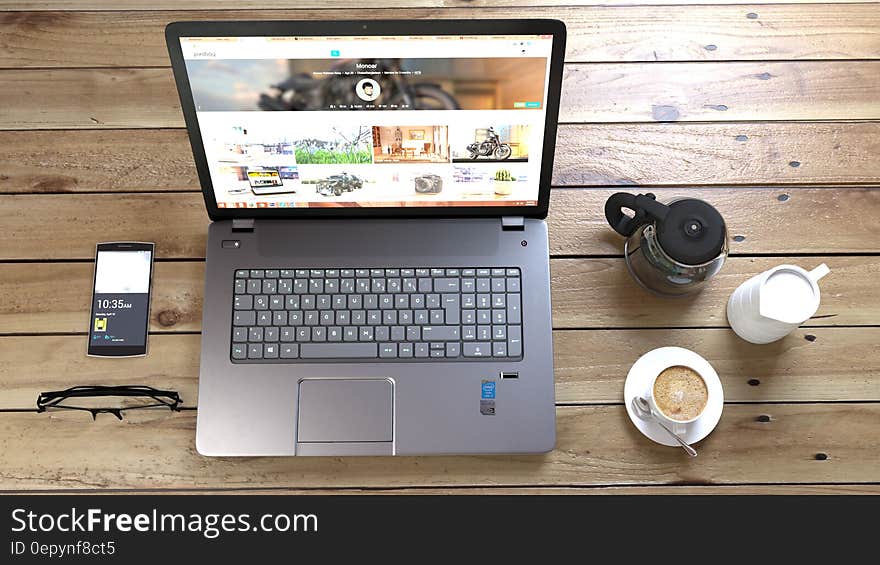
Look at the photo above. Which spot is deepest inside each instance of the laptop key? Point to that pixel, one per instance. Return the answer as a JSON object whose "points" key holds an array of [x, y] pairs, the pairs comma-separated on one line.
{"points": [[289, 351], [244, 302], [239, 351], [240, 286], [499, 349], [421, 349], [441, 333], [338, 350], [514, 313], [270, 351], [255, 351], [453, 349], [248, 318], [477, 349], [387, 350], [405, 350], [446, 285], [334, 333], [239, 334], [514, 341]]}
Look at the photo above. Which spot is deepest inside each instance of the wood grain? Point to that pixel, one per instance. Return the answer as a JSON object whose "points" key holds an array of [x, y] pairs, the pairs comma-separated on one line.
{"points": [[64, 226], [599, 92], [211, 5], [596, 445], [717, 154], [591, 366], [595, 33], [669, 92], [64, 291], [599, 293], [789, 489], [587, 293], [133, 160]]}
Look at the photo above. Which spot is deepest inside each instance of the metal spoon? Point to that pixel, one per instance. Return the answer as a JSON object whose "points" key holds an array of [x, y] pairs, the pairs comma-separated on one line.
{"points": [[643, 410]]}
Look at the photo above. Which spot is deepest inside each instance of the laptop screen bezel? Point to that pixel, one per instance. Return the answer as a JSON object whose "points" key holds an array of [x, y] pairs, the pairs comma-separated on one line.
{"points": [[176, 30]]}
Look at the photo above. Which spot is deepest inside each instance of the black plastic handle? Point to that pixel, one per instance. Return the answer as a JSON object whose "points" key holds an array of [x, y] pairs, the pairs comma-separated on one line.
{"points": [[645, 208]]}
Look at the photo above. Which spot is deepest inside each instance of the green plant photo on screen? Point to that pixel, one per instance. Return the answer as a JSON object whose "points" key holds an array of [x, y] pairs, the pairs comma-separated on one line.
{"points": [[332, 157]]}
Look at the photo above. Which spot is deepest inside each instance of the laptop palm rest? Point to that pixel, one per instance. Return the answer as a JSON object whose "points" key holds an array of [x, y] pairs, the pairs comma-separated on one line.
{"points": [[356, 412]]}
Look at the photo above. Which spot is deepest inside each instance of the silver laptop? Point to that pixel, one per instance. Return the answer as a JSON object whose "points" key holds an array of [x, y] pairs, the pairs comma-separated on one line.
{"points": [[377, 278]]}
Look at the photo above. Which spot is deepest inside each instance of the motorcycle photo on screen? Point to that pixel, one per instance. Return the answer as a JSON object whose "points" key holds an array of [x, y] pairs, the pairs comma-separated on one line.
{"points": [[490, 147], [302, 91]]}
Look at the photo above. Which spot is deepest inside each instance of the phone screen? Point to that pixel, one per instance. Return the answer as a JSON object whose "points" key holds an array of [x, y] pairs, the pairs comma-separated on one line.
{"points": [[121, 299]]}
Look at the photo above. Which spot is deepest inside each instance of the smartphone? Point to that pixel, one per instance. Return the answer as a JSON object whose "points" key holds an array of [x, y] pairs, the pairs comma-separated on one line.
{"points": [[120, 312]]}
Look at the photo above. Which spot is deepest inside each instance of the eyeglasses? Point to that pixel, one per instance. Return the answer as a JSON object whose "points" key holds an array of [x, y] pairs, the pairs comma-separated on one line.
{"points": [[131, 397]]}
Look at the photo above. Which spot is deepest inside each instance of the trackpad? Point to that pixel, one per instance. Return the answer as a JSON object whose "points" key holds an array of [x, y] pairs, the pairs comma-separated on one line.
{"points": [[345, 410]]}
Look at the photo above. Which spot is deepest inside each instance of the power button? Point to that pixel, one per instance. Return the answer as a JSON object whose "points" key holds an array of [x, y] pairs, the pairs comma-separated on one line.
{"points": [[231, 244]]}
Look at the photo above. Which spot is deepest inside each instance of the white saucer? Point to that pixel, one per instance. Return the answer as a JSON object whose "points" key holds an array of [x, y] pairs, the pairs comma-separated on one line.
{"points": [[651, 363]]}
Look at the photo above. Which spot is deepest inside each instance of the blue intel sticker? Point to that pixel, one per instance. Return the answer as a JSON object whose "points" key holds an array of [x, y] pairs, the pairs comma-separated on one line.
{"points": [[488, 389]]}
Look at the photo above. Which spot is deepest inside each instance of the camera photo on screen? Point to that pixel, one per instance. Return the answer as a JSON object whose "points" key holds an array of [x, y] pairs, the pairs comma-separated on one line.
{"points": [[492, 83]]}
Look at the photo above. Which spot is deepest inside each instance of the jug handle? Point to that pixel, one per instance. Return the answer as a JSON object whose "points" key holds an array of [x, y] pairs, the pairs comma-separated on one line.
{"points": [[643, 206], [819, 272]]}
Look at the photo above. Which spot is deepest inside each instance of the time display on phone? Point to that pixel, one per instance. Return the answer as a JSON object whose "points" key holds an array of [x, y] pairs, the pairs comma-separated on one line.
{"points": [[115, 303]]}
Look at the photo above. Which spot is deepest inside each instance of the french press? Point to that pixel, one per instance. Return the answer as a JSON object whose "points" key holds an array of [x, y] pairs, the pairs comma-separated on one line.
{"points": [[671, 249]]}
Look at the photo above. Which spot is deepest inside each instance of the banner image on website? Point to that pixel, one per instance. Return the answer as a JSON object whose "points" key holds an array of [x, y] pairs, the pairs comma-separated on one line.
{"points": [[243, 85]]}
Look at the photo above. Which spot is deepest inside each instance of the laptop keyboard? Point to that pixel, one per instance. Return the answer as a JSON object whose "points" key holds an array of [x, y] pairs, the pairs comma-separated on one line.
{"points": [[417, 314]]}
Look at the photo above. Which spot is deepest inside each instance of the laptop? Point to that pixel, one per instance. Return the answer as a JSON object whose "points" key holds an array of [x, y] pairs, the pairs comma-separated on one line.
{"points": [[377, 277]]}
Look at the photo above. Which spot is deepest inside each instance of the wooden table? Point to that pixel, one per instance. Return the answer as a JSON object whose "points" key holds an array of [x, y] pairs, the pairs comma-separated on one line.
{"points": [[771, 112]]}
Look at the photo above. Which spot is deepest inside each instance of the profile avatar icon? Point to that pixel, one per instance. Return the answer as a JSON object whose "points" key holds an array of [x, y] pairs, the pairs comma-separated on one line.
{"points": [[367, 90]]}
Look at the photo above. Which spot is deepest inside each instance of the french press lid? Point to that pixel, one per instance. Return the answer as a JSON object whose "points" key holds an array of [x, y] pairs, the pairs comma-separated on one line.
{"points": [[689, 231]]}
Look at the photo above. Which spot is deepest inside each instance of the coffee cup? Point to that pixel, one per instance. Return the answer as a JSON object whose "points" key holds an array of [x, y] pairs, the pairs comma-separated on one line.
{"points": [[678, 395], [769, 306]]}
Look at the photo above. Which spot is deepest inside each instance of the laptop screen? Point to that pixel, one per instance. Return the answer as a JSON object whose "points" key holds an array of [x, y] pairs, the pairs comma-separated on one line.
{"points": [[373, 121]]}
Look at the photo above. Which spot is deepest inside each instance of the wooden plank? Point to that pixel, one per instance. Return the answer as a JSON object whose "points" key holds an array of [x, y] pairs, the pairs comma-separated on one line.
{"points": [[758, 220], [599, 92], [667, 92], [31, 365], [64, 291], [596, 445], [599, 293], [211, 5], [595, 33], [587, 293], [133, 160], [64, 226], [591, 366], [782, 489], [717, 154], [97, 160]]}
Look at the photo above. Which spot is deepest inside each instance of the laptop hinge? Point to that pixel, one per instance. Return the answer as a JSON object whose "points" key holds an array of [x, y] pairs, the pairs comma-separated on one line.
{"points": [[513, 223], [242, 224]]}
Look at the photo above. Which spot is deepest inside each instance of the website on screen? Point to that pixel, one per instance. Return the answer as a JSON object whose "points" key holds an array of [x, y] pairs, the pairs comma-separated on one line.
{"points": [[371, 121]]}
